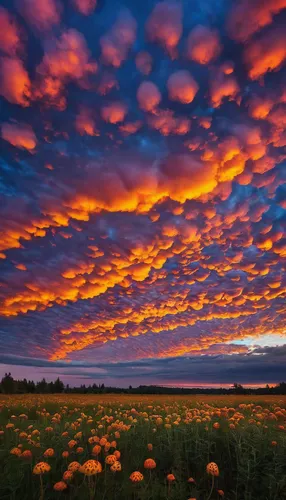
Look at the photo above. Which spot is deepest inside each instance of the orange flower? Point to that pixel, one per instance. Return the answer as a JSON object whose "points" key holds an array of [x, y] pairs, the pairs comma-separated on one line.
{"points": [[216, 425], [96, 449], [191, 480], [41, 468], [27, 454], [220, 493], [65, 454], [60, 486], [103, 441], [67, 475], [15, 451], [150, 446], [110, 459], [274, 443], [136, 477], [212, 469], [116, 466], [74, 466], [171, 478], [117, 454], [91, 467], [72, 443], [49, 452], [149, 463], [79, 449]]}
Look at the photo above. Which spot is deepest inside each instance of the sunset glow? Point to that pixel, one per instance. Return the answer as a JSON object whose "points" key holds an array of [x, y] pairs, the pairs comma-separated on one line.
{"points": [[142, 191]]}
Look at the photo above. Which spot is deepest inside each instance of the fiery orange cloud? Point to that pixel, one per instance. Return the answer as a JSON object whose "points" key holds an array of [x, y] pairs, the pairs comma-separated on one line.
{"points": [[249, 16], [40, 14], [167, 123], [148, 96], [164, 25], [69, 58], [15, 83], [222, 86], [182, 87], [85, 124], [114, 112], [85, 7], [144, 62], [266, 53], [203, 45], [19, 135], [116, 43], [10, 42]]}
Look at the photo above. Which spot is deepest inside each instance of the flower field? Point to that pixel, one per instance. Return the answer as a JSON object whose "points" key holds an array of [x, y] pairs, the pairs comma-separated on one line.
{"points": [[137, 447]]}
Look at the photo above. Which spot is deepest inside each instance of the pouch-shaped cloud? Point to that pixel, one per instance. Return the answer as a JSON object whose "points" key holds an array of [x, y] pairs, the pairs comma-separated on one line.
{"points": [[143, 62], [148, 96], [249, 16], [19, 135], [114, 112], [222, 86], [116, 44], [203, 45], [9, 35], [68, 57], [15, 83], [266, 53], [40, 14], [164, 25], [182, 87], [85, 7]]}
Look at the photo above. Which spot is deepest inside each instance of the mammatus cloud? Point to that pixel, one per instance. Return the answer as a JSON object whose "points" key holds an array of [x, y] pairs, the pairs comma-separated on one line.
{"points": [[142, 188], [19, 135]]}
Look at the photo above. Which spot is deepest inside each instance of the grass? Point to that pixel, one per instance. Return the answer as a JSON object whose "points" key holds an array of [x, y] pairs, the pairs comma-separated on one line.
{"points": [[247, 442]]}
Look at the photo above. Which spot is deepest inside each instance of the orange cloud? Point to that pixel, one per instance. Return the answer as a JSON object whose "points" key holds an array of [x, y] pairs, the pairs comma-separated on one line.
{"points": [[266, 53], [167, 123], [148, 96], [10, 42], [116, 43], [85, 124], [15, 83], [164, 25], [182, 87], [114, 112], [85, 7], [203, 45], [247, 17], [222, 86], [40, 14], [19, 135]]}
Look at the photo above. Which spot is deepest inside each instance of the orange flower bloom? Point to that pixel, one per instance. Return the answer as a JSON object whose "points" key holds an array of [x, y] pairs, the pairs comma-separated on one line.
{"points": [[67, 475], [212, 469], [96, 449], [136, 477], [91, 467], [149, 463], [110, 459], [41, 468], [171, 478], [15, 451], [150, 446], [116, 466], [60, 486], [74, 466], [49, 452]]}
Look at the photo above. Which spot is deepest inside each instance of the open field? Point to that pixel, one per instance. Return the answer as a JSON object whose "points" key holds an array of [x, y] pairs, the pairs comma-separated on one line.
{"points": [[244, 436]]}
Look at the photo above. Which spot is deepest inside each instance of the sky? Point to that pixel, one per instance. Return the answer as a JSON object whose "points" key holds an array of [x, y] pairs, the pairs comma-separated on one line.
{"points": [[142, 191]]}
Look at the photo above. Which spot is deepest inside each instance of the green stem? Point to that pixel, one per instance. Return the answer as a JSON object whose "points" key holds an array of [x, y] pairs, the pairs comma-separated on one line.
{"points": [[211, 488]]}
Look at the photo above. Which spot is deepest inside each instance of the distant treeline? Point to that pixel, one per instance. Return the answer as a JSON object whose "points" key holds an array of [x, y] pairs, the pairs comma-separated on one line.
{"points": [[9, 385]]}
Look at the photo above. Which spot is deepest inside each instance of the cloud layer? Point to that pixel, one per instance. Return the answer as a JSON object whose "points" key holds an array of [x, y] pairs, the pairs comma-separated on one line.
{"points": [[143, 186]]}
